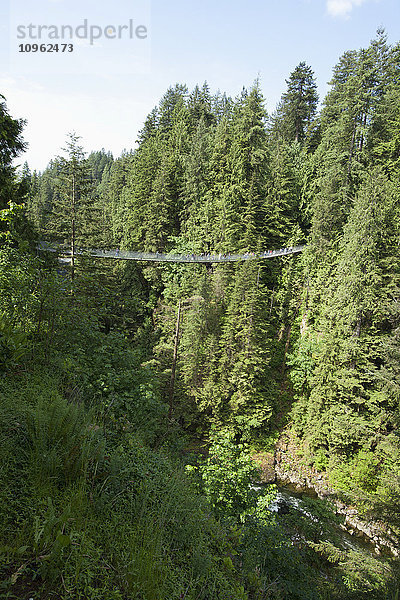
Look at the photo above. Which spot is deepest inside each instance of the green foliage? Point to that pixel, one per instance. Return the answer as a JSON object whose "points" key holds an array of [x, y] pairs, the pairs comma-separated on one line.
{"points": [[357, 576], [61, 442], [13, 344], [274, 563], [360, 473], [344, 407], [95, 513], [14, 227], [295, 115], [21, 297], [11, 145], [227, 477], [93, 500]]}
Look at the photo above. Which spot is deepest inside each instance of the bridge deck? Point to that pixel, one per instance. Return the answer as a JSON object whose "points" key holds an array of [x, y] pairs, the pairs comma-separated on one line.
{"points": [[175, 258]]}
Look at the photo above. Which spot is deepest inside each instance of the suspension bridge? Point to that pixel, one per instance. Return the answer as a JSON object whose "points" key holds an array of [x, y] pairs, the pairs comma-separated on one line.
{"points": [[174, 258]]}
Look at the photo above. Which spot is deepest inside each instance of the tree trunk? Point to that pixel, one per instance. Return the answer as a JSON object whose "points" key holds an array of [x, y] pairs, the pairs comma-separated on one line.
{"points": [[73, 230], [173, 370], [351, 152]]}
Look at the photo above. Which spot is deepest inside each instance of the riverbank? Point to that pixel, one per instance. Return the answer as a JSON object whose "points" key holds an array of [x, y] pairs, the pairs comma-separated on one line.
{"points": [[286, 467]]}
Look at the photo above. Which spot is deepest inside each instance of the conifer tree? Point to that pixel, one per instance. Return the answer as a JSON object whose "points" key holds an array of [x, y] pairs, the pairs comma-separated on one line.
{"points": [[358, 84], [40, 201], [199, 212], [347, 405], [285, 205], [11, 146], [248, 161], [296, 112], [72, 218], [199, 105], [219, 177], [245, 385]]}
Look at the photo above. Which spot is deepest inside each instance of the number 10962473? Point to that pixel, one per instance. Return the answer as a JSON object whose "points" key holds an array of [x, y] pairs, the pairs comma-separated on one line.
{"points": [[45, 48]]}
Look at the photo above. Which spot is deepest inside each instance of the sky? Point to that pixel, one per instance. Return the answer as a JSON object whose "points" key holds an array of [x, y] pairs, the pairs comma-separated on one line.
{"points": [[128, 52]]}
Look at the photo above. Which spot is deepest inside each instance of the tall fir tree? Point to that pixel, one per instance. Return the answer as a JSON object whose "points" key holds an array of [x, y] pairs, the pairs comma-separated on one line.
{"points": [[295, 116], [72, 219]]}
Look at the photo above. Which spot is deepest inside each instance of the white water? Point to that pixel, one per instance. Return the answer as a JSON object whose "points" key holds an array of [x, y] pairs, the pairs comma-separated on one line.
{"points": [[288, 501]]}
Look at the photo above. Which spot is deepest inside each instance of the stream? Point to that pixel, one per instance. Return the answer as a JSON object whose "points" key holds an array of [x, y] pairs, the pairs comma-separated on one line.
{"points": [[319, 517]]}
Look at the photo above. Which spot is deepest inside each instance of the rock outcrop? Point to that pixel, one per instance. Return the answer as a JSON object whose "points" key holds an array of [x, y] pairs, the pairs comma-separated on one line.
{"points": [[290, 470], [266, 464]]}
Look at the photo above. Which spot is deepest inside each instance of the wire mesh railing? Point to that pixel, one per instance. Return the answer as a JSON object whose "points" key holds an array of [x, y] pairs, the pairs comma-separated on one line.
{"points": [[170, 257]]}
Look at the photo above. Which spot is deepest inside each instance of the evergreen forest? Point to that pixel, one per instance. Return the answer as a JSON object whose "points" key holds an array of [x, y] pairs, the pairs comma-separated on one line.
{"points": [[139, 401]]}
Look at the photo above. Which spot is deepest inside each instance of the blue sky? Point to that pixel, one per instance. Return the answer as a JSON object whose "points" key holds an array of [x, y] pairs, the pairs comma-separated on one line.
{"points": [[104, 91]]}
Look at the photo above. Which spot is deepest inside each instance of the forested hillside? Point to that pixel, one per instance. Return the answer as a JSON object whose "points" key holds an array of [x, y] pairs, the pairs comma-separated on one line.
{"points": [[133, 396]]}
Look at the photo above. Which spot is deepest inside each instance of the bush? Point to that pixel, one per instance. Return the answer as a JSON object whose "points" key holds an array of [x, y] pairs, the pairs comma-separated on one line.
{"points": [[227, 476], [94, 513]]}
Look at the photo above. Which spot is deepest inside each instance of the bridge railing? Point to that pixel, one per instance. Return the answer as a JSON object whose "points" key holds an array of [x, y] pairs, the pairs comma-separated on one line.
{"points": [[183, 258]]}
